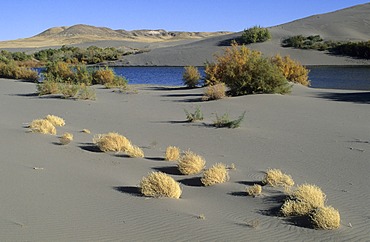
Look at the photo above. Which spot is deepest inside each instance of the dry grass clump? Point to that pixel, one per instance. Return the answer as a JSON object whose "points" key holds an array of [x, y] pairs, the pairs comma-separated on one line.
{"points": [[325, 218], [135, 151], [42, 126], [303, 200], [191, 163], [112, 142], [214, 92], [55, 120], [274, 177], [66, 138], [254, 190], [214, 175], [86, 131], [172, 153], [159, 184]]}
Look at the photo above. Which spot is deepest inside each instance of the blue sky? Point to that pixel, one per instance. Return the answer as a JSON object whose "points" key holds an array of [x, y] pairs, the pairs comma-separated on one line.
{"points": [[25, 18]]}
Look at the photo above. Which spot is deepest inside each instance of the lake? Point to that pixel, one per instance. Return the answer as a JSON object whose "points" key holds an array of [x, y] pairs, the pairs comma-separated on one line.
{"points": [[333, 77]]}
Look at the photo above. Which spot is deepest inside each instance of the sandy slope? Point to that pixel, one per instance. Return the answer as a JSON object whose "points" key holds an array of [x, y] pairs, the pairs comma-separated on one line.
{"points": [[347, 24], [317, 136]]}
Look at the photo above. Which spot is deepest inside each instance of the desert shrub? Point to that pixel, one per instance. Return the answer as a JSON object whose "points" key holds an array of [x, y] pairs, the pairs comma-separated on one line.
{"points": [[254, 190], [275, 177], [191, 76], [215, 175], [48, 87], [42, 126], [214, 92], [224, 121], [304, 199], [211, 71], [103, 76], [191, 163], [59, 69], [197, 115], [86, 93], [66, 138], [55, 120], [118, 82], [245, 71], [172, 153], [327, 218], [135, 151], [69, 90], [12, 71], [112, 142], [83, 75], [159, 184], [292, 70], [255, 34]]}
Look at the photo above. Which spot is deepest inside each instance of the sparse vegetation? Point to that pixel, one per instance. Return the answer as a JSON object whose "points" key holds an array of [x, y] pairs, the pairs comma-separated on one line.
{"points": [[86, 131], [255, 34], [224, 121], [354, 49], [112, 142], [214, 92], [55, 120], [191, 76], [42, 126], [215, 175], [66, 138], [191, 163], [292, 70], [172, 153], [327, 218], [275, 178], [246, 71], [135, 151], [159, 184], [304, 199], [197, 115], [254, 190]]}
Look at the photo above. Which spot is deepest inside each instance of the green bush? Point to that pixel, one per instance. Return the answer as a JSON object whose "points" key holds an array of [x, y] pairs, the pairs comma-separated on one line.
{"points": [[255, 34], [191, 76], [246, 71], [224, 121], [197, 115]]}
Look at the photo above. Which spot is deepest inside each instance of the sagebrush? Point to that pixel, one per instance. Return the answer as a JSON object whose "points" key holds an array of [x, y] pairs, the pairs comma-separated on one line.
{"points": [[191, 163], [159, 184], [215, 175]]}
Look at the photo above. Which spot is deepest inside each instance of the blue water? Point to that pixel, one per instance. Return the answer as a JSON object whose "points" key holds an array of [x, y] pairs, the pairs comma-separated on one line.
{"points": [[333, 77]]}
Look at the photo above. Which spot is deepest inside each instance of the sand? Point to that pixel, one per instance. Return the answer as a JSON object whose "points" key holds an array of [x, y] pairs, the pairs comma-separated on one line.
{"points": [[51, 192]]}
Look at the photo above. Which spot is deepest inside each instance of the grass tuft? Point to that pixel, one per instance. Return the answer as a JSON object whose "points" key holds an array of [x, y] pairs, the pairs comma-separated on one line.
{"points": [[254, 190], [66, 138], [215, 175], [112, 142], [327, 218], [224, 121], [191, 163], [55, 120], [159, 184], [172, 153], [275, 178], [135, 151], [197, 115], [214, 92], [42, 126]]}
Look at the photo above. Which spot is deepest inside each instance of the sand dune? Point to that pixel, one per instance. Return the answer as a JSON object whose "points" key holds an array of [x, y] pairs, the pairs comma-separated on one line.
{"points": [[75, 193]]}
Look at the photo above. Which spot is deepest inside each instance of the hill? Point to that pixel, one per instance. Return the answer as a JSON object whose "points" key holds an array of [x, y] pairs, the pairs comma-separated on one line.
{"points": [[174, 48]]}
